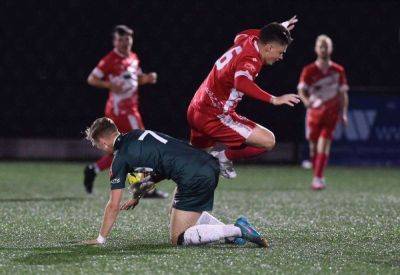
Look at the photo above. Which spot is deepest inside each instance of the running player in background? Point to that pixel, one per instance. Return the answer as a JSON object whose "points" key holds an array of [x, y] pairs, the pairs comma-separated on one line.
{"points": [[120, 73], [323, 90], [195, 173], [211, 113]]}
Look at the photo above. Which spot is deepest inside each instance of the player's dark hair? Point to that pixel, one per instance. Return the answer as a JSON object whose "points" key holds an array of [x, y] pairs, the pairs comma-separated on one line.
{"points": [[122, 30], [275, 32], [100, 127]]}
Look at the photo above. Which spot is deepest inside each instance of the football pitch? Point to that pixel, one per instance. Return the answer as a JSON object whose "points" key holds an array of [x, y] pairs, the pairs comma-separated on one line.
{"points": [[351, 227]]}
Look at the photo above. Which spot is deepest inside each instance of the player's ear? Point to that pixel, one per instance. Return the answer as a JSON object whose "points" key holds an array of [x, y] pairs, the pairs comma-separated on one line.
{"points": [[268, 47]]}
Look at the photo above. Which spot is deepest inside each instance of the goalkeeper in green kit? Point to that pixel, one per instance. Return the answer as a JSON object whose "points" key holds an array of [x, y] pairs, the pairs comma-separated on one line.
{"points": [[155, 156]]}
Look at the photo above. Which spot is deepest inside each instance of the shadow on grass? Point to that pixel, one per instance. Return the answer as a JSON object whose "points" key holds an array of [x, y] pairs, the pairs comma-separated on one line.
{"points": [[41, 199], [81, 253], [386, 262]]}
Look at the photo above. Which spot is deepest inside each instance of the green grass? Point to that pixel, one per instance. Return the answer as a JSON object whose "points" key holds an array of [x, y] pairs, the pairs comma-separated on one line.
{"points": [[352, 227]]}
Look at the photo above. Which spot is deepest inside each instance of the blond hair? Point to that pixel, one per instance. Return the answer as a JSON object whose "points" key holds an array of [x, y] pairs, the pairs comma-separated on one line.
{"points": [[324, 37], [100, 127]]}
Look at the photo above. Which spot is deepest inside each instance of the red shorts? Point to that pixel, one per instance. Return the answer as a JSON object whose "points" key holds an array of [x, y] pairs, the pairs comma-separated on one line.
{"points": [[207, 128], [127, 120], [321, 122]]}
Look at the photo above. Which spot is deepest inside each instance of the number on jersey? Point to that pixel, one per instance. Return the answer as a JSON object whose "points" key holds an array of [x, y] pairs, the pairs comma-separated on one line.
{"points": [[157, 137], [221, 63]]}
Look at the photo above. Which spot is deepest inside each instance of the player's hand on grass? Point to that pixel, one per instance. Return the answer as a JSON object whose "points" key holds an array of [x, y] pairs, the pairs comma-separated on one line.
{"points": [[290, 24], [129, 204], [288, 99]]}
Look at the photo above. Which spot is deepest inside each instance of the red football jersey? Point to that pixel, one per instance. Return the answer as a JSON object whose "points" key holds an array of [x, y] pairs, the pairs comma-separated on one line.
{"points": [[120, 69], [323, 86], [217, 93]]}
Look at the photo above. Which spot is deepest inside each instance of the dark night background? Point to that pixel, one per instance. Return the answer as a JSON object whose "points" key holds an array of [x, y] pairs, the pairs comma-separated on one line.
{"points": [[48, 48]]}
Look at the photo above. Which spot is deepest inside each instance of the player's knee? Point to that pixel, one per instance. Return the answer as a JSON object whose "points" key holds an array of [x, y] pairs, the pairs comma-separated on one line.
{"points": [[269, 141], [177, 240], [173, 241], [263, 138]]}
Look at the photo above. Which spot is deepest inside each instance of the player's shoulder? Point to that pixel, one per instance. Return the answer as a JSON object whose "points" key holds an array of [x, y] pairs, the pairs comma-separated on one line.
{"points": [[242, 36], [110, 55], [310, 67], [133, 55], [250, 50], [107, 59], [117, 163], [337, 66]]}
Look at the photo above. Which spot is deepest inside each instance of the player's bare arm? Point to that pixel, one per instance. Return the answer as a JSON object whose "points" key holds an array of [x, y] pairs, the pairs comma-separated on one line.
{"points": [[242, 83], [345, 106], [150, 78], [305, 98], [102, 84], [110, 216], [288, 99]]}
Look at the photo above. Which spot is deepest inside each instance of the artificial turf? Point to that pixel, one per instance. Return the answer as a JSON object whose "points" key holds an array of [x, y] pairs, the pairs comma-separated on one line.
{"points": [[351, 227]]}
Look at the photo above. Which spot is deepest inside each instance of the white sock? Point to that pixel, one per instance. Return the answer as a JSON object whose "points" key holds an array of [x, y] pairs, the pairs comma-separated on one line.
{"points": [[208, 233], [207, 218]]}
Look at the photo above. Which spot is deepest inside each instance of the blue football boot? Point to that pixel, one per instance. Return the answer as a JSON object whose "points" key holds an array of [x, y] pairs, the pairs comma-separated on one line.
{"points": [[249, 233], [236, 240]]}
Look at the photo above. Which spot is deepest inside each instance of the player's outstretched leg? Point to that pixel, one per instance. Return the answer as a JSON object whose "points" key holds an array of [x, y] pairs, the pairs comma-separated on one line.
{"points": [[226, 157], [259, 141], [225, 164]]}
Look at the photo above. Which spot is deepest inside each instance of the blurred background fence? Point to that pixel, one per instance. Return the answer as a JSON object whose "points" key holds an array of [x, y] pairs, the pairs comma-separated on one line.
{"points": [[48, 48]]}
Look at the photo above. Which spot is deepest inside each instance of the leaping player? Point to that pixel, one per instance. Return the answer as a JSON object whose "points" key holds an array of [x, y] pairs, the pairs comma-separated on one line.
{"points": [[119, 72], [323, 90], [211, 113]]}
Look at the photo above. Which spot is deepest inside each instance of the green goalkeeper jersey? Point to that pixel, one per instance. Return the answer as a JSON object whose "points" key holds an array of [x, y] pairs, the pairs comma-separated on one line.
{"points": [[169, 157]]}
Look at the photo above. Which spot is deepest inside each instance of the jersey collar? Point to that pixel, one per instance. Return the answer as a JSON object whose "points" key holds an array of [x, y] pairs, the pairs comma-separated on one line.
{"points": [[256, 45], [257, 48], [120, 54]]}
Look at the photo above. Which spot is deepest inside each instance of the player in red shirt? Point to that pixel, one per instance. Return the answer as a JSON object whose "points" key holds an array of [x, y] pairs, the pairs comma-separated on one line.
{"points": [[323, 90], [211, 113], [119, 72]]}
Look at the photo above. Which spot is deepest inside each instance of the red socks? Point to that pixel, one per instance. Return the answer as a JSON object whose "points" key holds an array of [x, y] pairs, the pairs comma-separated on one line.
{"points": [[104, 162], [246, 152], [321, 160], [313, 160]]}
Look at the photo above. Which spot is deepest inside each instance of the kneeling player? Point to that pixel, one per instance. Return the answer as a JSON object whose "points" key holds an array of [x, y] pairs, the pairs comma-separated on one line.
{"points": [[194, 171]]}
